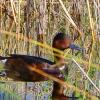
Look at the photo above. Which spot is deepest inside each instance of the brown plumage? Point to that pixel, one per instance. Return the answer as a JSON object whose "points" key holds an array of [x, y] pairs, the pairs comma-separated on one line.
{"points": [[18, 70]]}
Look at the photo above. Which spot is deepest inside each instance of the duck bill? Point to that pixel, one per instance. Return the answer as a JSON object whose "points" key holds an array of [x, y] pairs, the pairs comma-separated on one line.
{"points": [[75, 47]]}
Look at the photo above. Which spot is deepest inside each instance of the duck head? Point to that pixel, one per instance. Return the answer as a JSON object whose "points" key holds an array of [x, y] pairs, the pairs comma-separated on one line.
{"points": [[63, 41]]}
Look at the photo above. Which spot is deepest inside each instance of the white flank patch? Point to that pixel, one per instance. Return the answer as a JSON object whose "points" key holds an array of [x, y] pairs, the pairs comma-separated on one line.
{"points": [[62, 67]]}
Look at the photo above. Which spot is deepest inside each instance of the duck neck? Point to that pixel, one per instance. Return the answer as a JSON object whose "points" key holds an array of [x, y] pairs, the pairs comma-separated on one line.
{"points": [[58, 58]]}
